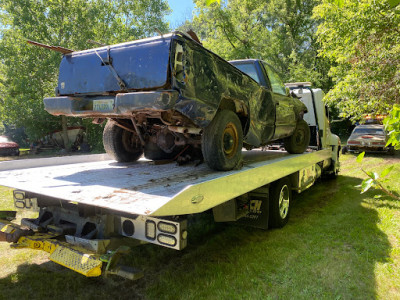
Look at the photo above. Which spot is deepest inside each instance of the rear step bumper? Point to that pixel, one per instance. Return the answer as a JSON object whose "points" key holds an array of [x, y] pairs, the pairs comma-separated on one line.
{"points": [[74, 256]]}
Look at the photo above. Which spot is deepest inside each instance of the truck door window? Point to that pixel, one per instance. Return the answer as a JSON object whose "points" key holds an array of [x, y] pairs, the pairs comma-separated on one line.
{"points": [[276, 83], [249, 69]]}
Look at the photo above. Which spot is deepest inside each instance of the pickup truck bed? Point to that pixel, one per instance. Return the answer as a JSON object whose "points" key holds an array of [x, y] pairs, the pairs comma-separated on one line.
{"points": [[143, 188]]}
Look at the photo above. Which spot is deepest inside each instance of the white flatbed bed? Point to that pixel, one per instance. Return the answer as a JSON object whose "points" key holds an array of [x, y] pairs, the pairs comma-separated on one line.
{"points": [[143, 188]]}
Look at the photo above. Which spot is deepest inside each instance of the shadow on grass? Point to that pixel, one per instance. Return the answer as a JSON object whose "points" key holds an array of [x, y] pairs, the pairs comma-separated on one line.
{"points": [[329, 250]]}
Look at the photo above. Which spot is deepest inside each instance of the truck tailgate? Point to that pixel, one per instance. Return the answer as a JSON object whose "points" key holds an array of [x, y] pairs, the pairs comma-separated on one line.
{"points": [[144, 188]]}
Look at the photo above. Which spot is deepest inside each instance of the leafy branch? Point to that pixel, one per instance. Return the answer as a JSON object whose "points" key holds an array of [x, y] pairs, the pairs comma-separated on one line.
{"points": [[375, 180], [392, 126]]}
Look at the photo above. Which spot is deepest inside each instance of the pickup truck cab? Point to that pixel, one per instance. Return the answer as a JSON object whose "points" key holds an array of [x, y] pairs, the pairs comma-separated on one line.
{"points": [[167, 96]]}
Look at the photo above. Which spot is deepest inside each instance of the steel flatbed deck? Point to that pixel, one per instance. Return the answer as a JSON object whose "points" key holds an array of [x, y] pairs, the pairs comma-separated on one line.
{"points": [[143, 188]]}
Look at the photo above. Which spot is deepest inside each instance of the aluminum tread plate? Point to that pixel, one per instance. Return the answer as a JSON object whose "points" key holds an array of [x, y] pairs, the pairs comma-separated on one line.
{"points": [[82, 263], [146, 189]]}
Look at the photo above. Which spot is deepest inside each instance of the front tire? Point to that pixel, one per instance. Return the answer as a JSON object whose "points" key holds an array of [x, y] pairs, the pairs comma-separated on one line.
{"points": [[300, 139], [120, 144], [279, 203], [222, 141]]}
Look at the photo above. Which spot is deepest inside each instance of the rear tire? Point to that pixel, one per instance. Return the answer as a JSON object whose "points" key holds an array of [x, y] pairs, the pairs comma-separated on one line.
{"points": [[279, 203], [300, 139], [222, 141], [120, 144]]}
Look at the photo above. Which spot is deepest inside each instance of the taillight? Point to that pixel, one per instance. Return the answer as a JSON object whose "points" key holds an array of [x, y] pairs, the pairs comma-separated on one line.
{"points": [[353, 143]]}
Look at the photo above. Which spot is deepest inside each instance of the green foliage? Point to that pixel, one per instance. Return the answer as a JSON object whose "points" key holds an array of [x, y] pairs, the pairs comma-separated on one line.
{"points": [[360, 157], [394, 3], [375, 180], [362, 41], [280, 32], [28, 74], [392, 126], [209, 2]]}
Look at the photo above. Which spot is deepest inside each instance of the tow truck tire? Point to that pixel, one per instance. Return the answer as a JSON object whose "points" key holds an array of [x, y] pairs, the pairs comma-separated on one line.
{"points": [[300, 139], [222, 141], [279, 203], [120, 144]]}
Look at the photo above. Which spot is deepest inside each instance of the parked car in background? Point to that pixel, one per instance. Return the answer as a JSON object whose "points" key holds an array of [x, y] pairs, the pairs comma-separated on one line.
{"points": [[8, 147], [368, 138]]}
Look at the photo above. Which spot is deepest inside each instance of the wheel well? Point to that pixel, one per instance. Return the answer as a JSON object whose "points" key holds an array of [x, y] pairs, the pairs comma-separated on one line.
{"points": [[239, 109]]}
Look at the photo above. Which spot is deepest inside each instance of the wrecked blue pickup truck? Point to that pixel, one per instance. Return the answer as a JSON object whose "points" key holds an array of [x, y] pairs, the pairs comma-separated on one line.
{"points": [[169, 97]]}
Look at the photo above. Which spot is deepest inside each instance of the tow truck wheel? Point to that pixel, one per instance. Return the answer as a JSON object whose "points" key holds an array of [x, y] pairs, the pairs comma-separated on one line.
{"points": [[298, 142], [120, 144], [279, 203], [222, 141]]}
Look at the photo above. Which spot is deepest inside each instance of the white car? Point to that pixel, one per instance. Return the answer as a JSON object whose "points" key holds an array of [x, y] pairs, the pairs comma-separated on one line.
{"points": [[368, 138]]}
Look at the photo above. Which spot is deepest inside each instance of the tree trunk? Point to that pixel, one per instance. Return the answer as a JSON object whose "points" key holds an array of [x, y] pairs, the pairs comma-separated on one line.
{"points": [[67, 144]]}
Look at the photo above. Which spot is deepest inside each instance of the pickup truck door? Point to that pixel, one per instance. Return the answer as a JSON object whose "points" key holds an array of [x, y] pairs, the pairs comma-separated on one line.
{"points": [[285, 119], [262, 105]]}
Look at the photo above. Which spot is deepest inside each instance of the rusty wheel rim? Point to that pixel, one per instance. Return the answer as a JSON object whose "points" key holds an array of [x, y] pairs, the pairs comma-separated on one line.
{"points": [[129, 141], [230, 140]]}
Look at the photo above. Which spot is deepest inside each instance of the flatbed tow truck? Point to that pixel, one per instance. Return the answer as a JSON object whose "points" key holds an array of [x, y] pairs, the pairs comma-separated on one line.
{"points": [[89, 205]]}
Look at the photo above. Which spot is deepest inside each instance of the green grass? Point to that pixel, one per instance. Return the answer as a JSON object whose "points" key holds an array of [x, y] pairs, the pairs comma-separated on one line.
{"points": [[338, 244]]}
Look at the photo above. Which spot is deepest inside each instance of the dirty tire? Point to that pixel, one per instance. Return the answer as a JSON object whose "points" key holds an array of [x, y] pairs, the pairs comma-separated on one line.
{"points": [[153, 152], [298, 142], [279, 203], [120, 144], [222, 141]]}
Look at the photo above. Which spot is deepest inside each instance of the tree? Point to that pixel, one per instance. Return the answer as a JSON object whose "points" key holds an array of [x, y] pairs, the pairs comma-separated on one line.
{"points": [[362, 40], [29, 74], [280, 32]]}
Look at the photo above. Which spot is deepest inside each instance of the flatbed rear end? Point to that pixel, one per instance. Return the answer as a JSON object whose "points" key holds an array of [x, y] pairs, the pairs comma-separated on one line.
{"points": [[89, 204]]}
